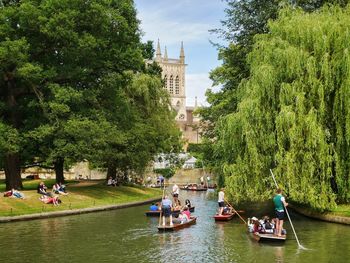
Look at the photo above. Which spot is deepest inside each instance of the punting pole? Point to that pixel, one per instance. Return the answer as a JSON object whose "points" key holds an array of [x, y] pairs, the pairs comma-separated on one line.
{"points": [[234, 210]]}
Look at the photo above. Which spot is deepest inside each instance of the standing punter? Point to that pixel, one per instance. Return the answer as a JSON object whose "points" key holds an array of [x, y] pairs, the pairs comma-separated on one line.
{"points": [[176, 191], [280, 203], [221, 200]]}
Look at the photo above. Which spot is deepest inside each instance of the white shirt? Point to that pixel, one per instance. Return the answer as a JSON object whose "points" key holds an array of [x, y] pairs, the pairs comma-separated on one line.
{"points": [[176, 189], [221, 196]]}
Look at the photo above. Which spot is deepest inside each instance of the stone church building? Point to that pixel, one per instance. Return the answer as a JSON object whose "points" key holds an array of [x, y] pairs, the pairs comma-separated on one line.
{"points": [[173, 74]]}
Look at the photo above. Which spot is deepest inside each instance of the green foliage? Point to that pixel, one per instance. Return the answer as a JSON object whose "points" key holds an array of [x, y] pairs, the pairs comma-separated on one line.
{"points": [[194, 147], [293, 112], [166, 172], [147, 50], [76, 88]]}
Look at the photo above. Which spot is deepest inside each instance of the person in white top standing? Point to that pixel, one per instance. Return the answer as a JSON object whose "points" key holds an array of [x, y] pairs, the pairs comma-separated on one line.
{"points": [[176, 191], [202, 181], [221, 200]]}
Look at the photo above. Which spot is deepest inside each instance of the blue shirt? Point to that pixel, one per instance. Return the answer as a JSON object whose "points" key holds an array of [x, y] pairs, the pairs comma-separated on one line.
{"points": [[166, 202], [153, 208]]}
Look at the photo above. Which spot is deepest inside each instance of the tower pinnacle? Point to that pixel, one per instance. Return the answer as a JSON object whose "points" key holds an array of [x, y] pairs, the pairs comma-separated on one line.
{"points": [[182, 53], [158, 53], [165, 54]]}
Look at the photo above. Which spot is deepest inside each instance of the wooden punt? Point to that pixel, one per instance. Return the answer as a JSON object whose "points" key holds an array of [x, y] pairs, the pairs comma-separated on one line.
{"points": [[157, 213], [194, 188], [225, 217], [174, 212], [266, 237], [175, 227]]}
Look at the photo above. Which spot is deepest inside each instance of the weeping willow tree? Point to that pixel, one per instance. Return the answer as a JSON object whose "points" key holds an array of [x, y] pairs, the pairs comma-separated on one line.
{"points": [[294, 113]]}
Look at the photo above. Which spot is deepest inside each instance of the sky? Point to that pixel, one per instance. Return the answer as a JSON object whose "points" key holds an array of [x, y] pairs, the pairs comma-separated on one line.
{"points": [[173, 21]]}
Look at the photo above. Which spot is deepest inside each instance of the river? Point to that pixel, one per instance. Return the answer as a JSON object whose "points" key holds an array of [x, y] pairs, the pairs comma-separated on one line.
{"points": [[127, 235]]}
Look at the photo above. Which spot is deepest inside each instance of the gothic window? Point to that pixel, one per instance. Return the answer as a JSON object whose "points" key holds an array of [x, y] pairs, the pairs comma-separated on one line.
{"points": [[171, 85], [177, 85], [165, 82], [178, 104]]}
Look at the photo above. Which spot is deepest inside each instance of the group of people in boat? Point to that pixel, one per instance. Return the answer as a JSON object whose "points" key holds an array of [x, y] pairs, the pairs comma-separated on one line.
{"points": [[167, 206], [264, 225]]}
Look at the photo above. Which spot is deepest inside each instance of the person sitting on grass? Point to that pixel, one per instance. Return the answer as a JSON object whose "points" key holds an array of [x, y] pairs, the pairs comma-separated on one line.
{"points": [[111, 182], [58, 189], [14, 193], [17, 194], [42, 189], [8, 193], [50, 200]]}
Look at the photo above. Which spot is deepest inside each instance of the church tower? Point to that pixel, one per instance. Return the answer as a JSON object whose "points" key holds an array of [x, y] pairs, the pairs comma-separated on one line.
{"points": [[173, 74]]}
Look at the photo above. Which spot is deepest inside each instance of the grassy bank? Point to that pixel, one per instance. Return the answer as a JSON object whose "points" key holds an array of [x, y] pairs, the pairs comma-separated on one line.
{"points": [[81, 195], [341, 210]]}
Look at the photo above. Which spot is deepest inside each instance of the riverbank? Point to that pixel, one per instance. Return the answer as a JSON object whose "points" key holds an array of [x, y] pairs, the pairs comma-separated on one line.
{"points": [[83, 197], [340, 215]]}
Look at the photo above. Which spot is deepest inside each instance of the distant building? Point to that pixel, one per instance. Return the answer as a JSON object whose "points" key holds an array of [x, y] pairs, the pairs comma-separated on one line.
{"points": [[173, 74]]}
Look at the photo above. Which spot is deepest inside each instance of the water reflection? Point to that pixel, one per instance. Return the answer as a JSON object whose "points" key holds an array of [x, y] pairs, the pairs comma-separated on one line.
{"points": [[128, 236]]}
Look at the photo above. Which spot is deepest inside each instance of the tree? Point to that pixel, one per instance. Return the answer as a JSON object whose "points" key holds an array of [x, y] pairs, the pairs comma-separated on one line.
{"points": [[293, 114], [53, 58], [148, 125], [244, 20]]}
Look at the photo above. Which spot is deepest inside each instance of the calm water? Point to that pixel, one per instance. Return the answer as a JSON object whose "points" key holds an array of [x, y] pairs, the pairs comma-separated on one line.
{"points": [[128, 236]]}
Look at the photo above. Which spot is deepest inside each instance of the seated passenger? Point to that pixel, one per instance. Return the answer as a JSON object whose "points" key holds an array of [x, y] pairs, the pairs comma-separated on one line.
{"points": [[186, 213], [266, 223], [188, 203], [254, 225], [227, 210], [177, 205], [153, 207]]}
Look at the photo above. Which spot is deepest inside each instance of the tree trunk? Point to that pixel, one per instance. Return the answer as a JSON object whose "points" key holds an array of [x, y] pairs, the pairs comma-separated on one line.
{"points": [[58, 166], [12, 160], [13, 171], [111, 171], [333, 180]]}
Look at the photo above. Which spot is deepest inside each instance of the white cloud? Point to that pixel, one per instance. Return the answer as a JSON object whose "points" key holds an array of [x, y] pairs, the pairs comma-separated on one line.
{"points": [[158, 25], [196, 85]]}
